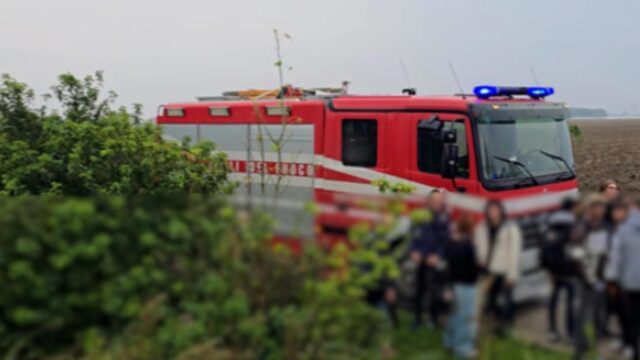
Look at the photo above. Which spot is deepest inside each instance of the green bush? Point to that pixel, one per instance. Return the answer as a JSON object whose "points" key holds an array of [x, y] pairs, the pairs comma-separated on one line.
{"points": [[92, 149], [150, 278]]}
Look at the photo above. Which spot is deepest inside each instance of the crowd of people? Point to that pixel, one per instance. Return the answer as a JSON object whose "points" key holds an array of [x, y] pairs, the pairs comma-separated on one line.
{"points": [[592, 253], [466, 268], [466, 271]]}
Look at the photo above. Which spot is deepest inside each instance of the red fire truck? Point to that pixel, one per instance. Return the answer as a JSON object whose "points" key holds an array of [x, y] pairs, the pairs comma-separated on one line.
{"points": [[505, 143]]}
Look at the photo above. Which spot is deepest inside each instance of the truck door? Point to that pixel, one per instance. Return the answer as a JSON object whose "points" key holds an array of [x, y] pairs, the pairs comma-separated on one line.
{"points": [[353, 156], [427, 150]]}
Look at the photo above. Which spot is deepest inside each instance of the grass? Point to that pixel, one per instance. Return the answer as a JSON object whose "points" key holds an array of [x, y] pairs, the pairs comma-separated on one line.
{"points": [[426, 344]]}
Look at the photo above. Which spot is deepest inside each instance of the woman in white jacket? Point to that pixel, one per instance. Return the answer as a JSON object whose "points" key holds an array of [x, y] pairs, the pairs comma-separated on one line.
{"points": [[498, 244]]}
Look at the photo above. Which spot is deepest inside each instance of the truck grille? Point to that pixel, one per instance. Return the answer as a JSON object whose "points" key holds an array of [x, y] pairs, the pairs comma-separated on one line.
{"points": [[533, 229]]}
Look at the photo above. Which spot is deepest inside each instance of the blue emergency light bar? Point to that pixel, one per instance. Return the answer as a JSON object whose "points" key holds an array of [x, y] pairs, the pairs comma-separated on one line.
{"points": [[488, 91]]}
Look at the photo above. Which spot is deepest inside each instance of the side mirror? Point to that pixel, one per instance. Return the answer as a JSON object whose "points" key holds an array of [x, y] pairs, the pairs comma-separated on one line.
{"points": [[432, 124], [449, 136], [449, 160]]}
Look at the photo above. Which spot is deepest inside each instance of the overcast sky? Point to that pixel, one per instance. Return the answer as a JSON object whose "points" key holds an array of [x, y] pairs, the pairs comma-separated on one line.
{"points": [[158, 51]]}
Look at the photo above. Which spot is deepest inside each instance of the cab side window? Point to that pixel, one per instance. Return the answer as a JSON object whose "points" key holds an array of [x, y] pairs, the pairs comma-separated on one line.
{"points": [[360, 143], [463, 151], [431, 145]]}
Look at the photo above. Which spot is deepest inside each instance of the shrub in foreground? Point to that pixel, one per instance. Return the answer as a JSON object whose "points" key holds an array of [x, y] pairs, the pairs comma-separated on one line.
{"points": [[90, 149], [152, 278]]}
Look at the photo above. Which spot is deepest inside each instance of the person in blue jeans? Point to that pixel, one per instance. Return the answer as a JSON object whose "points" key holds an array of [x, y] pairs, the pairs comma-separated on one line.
{"points": [[462, 274]]}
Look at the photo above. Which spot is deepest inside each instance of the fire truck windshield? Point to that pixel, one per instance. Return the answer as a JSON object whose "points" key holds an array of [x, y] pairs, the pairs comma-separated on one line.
{"points": [[523, 148]]}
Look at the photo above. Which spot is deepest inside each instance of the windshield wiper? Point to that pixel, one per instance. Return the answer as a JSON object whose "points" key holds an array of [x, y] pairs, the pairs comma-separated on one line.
{"points": [[561, 159], [518, 163]]}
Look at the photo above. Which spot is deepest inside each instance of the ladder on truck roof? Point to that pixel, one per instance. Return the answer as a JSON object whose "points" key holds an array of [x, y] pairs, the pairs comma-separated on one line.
{"points": [[286, 92]]}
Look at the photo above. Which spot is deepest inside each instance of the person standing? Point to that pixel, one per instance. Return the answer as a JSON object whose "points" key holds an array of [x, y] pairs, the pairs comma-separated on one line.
{"points": [[625, 270], [426, 252], [462, 273], [498, 243], [617, 214], [609, 190], [554, 260], [587, 251]]}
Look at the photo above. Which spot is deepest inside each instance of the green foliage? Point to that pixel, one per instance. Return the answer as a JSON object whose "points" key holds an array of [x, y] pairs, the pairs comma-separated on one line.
{"points": [[576, 132], [385, 186], [149, 278], [17, 120], [93, 149], [81, 98]]}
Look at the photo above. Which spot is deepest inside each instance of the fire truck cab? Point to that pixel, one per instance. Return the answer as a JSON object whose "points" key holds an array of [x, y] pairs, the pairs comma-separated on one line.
{"points": [[505, 143]]}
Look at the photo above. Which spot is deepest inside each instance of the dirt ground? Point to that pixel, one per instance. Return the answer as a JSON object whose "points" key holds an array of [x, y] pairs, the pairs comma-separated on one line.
{"points": [[610, 149]]}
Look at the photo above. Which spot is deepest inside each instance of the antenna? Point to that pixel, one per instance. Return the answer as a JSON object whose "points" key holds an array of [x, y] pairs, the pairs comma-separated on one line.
{"points": [[404, 73], [455, 77], [535, 76], [409, 90]]}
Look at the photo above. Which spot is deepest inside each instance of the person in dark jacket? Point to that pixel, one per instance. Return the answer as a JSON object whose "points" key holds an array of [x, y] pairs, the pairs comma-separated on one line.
{"points": [[554, 259], [426, 251], [462, 274]]}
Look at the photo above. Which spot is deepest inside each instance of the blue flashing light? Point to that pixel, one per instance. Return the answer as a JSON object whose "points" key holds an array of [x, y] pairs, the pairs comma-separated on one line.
{"points": [[540, 92], [488, 91], [485, 91]]}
